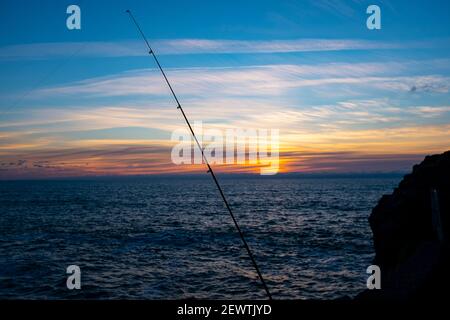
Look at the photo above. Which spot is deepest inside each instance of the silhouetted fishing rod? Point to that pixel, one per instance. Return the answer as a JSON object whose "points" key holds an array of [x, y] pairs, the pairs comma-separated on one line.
{"points": [[151, 52]]}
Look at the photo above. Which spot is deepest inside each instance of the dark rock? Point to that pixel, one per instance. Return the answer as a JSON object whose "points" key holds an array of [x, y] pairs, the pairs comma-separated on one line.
{"points": [[411, 253]]}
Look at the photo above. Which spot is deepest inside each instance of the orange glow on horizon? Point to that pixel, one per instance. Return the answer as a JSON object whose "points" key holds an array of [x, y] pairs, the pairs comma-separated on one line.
{"points": [[363, 150]]}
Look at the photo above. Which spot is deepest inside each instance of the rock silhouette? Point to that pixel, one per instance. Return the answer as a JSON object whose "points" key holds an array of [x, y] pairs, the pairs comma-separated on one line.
{"points": [[410, 235]]}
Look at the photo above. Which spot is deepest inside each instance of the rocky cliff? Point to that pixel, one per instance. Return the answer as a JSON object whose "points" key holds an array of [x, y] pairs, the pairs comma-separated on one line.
{"points": [[410, 234]]}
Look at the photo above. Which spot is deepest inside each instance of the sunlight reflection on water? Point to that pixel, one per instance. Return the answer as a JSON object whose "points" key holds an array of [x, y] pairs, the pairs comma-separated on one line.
{"points": [[154, 238]]}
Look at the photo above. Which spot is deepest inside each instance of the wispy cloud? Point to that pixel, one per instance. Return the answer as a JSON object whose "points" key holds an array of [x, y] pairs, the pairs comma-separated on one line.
{"points": [[430, 112], [337, 7], [132, 48], [354, 135], [345, 151], [256, 80], [348, 8], [304, 124]]}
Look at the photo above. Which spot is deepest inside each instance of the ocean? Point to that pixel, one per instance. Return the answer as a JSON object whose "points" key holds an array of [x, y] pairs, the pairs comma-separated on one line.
{"points": [[172, 238]]}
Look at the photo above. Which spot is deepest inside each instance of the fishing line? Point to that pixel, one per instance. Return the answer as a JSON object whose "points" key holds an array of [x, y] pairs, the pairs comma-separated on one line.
{"points": [[152, 53]]}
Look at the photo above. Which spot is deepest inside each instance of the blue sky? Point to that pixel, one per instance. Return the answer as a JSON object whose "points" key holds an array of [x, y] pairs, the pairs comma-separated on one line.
{"points": [[345, 98]]}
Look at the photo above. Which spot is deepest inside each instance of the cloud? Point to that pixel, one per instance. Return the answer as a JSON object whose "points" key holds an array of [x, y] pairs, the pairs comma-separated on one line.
{"points": [[131, 48], [352, 135], [348, 8], [255, 81], [43, 128], [344, 151], [91, 159], [344, 161], [337, 7], [430, 111], [417, 84]]}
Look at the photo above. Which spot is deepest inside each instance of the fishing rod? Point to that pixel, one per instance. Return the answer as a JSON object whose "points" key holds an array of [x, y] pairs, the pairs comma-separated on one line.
{"points": [[210, 171]]}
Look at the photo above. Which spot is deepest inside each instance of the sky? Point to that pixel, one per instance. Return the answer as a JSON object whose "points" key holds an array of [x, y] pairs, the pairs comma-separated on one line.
{"points": [[344, 98]]}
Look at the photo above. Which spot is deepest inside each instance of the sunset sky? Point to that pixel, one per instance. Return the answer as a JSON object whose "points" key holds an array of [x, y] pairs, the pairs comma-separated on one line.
{"points": [[344, 98]]}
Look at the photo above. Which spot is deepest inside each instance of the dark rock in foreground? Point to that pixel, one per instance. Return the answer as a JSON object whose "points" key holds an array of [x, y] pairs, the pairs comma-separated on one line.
{"points": [[410, 232]]}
